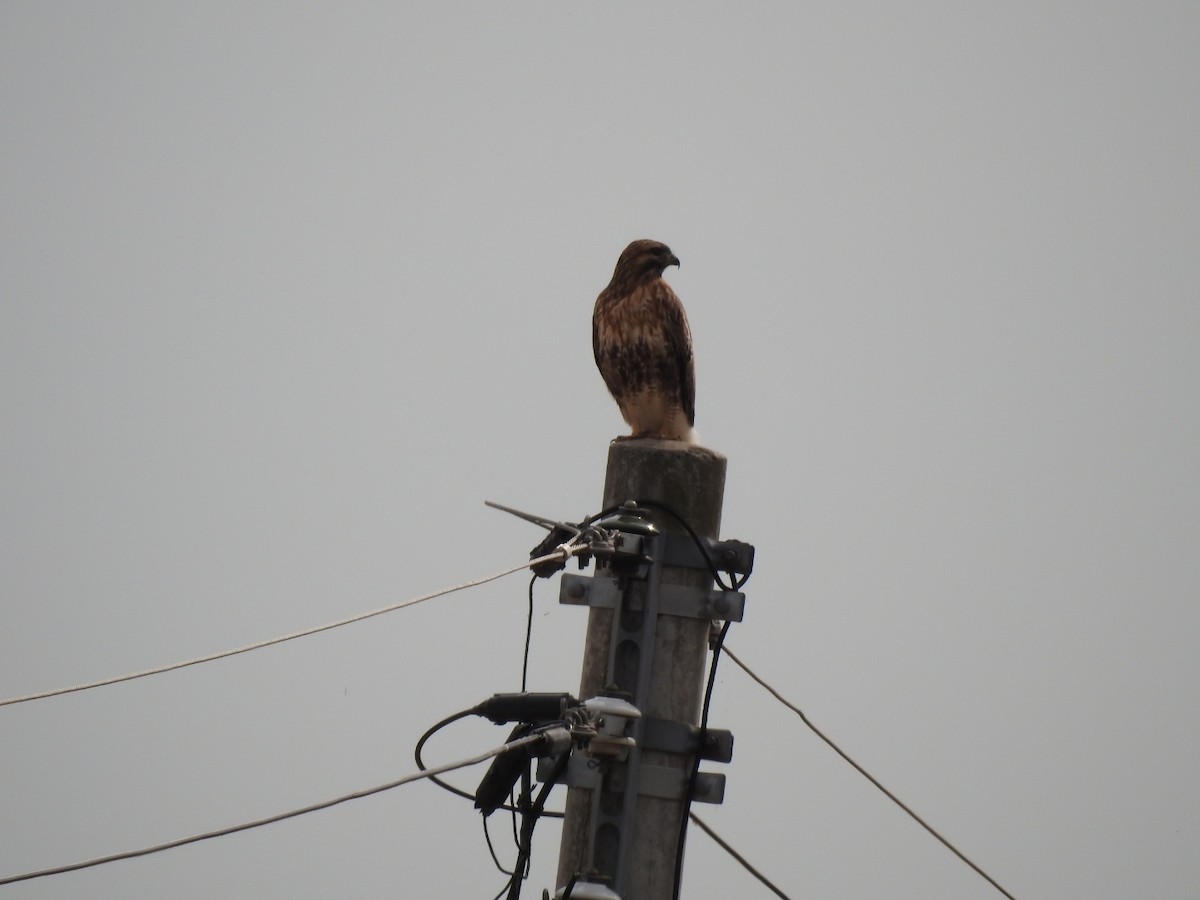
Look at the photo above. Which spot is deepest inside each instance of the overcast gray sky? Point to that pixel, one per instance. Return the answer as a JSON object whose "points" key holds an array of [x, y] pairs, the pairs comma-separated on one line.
{"points": [[287, 290]]}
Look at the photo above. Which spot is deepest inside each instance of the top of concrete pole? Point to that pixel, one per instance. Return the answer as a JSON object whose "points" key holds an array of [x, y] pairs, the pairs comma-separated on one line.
{"points": [[687, 478]]}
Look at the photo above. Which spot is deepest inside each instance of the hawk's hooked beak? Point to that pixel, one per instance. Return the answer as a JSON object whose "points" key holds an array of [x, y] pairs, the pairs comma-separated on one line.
{"points": [[673, 260]]}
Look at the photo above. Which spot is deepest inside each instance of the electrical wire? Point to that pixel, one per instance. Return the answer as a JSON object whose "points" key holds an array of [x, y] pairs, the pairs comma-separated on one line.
{"points": [[430, 732], [514, 803], [530, 809], [842, 753], [531, 812], [560, 553], [528, 636], [427, 773], [518, 802], [735, 583], [434, 729], [741, 859], [718, 644], [487, 836]]}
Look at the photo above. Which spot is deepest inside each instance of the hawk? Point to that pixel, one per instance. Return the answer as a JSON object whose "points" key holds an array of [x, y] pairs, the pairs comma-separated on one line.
{"points": [[643, 346]]}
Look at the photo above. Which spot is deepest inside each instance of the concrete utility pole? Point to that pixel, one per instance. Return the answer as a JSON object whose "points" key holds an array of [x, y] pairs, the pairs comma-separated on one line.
{"points": [[647, 639]]}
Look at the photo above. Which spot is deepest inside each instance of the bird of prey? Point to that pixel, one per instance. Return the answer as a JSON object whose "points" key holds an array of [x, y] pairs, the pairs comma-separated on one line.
{"points": [[643, 346]]}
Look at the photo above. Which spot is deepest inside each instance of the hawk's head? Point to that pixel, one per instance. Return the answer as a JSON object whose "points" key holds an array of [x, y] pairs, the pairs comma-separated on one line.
{"points": [[643, 260]]}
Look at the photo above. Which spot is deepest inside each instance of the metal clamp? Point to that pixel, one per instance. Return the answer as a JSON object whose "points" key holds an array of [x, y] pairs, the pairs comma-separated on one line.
{"points": [[673, 600]]}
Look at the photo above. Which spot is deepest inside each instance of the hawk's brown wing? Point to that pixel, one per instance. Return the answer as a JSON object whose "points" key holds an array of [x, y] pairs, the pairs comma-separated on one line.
{"points": [[603, 305], [679, 338]]}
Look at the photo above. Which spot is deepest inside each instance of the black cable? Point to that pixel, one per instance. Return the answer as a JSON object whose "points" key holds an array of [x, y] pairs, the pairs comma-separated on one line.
{"points": [[525, 779], [521, 864], [691, 789], [724, 845], [530, 812], [867, 775], [696, 539], [487, 836], [524, 799], [517, 800], [434, 729], [735, 584], [528, 635], [533, 812], [520, 803]]}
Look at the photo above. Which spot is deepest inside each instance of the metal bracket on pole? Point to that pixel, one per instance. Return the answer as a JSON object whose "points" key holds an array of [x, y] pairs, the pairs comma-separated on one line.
{"points": [[631, 634], [680, 737], [651, 608], [638, 597], [673, 600], [726, 556], [653, 781]]}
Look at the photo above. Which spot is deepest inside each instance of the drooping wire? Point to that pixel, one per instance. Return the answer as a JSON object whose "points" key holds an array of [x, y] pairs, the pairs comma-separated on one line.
{"points": [[530, 809], [718, 644], [279, 817], [519, 802], [528, 635], [735, 583], [531, 813], [430, 732], [258, 645], [487, 836], [434, 729], [871, 778], [525, 781]]}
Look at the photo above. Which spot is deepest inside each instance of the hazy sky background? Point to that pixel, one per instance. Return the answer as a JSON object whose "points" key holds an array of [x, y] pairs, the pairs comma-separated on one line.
{"points": [[287, 290]]}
